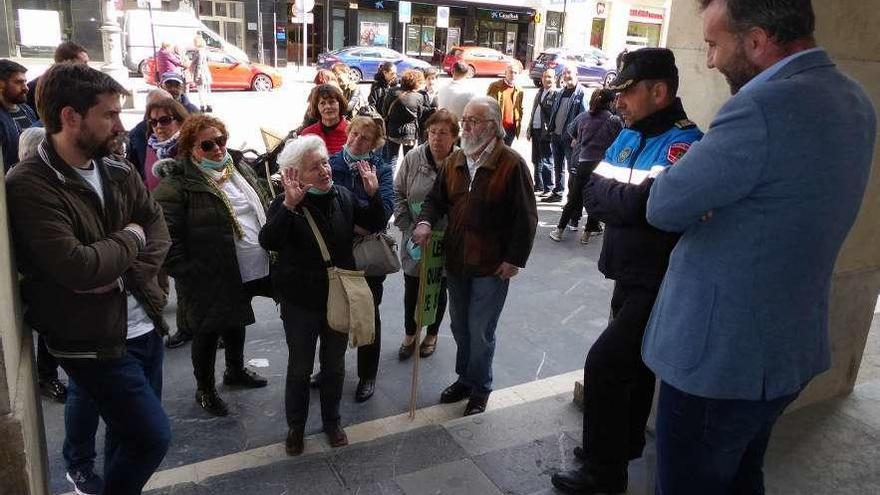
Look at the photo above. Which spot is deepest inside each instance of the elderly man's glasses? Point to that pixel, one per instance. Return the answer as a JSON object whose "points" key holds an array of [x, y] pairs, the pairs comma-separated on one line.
{"points": [[470, 122], [209, 144]]}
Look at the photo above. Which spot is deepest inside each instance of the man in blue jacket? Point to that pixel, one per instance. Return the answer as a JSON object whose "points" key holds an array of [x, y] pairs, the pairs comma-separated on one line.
{"points": [[619, 388], [763, 203], [570, 102], [15, 114]]}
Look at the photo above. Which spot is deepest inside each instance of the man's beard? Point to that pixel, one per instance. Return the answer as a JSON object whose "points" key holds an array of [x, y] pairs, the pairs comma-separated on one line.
{"points": [[94, 147], [15, 99], [741, 72], [470, 144]]}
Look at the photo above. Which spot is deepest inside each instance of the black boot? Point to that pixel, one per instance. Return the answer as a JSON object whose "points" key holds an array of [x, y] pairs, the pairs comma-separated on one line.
{"points": [[244, 378], [586, 481], [210, 401]]}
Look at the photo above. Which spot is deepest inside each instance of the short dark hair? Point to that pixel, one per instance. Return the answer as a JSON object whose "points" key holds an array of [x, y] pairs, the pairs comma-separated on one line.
{"points": [[671, 84], [784, 20], [68, 51], [459, 68], [601, 100], [72, 85], [443, 117], [8, 68]]}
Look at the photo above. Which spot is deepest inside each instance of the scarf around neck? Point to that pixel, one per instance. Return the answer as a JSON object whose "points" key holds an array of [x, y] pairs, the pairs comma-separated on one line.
{"points": [[164, 149]]}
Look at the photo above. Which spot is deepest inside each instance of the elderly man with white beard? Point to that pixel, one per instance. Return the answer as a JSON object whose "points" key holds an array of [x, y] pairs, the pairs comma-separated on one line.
{"points": [[487, 192]]}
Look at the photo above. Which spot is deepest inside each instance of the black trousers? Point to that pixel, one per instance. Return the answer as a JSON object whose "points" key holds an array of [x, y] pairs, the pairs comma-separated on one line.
{"points": [[204, 343], [411, 300], [619, 388], [204, 353], [302, 329], [368, 355], [574, 204], [47, 366]]}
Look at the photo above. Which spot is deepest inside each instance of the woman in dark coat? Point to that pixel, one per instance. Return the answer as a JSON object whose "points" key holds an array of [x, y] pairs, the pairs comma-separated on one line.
{"points": [[385, 79], [215, 209], [300, 275], [592, 132], [406, 109]]}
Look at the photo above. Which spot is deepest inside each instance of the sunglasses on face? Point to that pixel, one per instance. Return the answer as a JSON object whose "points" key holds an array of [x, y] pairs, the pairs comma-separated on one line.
{"points": [[209, 144], [164, 120]]}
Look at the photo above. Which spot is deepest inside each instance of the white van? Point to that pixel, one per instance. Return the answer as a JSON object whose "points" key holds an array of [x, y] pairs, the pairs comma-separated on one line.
{"points": [[178, 28]]}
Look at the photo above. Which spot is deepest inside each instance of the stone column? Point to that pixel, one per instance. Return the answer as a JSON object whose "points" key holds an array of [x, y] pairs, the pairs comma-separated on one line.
{"points": [[23, 462], [111, 38]]}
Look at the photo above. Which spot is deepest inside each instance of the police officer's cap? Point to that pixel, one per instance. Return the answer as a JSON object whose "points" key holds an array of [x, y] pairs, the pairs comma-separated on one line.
{"points": [[645, 64]]}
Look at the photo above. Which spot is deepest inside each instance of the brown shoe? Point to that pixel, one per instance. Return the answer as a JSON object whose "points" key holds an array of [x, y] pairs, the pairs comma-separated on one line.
{"points": [[406, 350], [428, 346], [295, 444], [336, 436]]}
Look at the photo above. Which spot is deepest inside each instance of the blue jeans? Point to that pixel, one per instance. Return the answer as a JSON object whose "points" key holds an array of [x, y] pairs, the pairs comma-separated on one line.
{"points": [[127, 393], [713, 445], [541, 160], [475, 304], [80, 427], [561, 148]]}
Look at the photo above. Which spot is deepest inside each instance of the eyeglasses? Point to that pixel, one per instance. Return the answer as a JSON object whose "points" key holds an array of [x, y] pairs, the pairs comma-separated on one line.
{"points": [[472, 122], [209, 144], [164, 120]]}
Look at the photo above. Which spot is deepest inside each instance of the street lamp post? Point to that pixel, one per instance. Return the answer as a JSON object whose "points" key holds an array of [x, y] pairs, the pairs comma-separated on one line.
{"points": [[111, 38]]}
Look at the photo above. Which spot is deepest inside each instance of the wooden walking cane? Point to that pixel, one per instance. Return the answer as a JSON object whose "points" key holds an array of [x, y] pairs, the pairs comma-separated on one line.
{"points": [[423, 280]]}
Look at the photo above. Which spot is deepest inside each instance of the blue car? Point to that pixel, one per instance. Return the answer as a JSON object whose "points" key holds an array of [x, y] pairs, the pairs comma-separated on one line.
{"points": [[593, 66], [365, 60]]}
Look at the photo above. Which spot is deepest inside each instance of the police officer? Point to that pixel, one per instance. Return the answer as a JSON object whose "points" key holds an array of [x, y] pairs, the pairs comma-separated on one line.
{"points": [[619, 388]]}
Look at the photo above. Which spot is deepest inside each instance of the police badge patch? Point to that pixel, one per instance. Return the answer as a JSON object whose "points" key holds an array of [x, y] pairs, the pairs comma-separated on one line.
{"points": [[624, 155], [676, 151]]}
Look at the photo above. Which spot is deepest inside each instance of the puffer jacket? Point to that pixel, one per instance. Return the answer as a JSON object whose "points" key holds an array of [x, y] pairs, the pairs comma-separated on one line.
{"points": [[202, 258], [300, 275], [67, 242], [413, 182], [378, 90]]}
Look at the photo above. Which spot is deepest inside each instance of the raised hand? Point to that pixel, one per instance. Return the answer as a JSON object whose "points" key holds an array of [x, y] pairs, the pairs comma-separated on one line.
{"points": [[368, 175], [294, 190]]}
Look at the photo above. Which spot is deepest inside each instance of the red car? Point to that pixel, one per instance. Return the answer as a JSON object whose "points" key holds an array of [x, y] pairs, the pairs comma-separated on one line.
{"points": [[481, 61], [230, 73]]}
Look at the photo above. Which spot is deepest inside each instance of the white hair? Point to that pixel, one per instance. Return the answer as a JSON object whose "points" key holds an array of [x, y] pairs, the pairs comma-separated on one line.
{"points": [[157, 94], [296, 149], [494, 109], [28, 142]]}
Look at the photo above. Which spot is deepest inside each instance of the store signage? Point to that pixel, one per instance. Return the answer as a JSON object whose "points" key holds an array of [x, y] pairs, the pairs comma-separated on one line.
{"points": [[404, 12], [646, 14], [498, 15], [442, 17]]}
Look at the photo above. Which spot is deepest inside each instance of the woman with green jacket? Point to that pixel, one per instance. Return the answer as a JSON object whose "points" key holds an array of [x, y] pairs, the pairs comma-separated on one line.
{"points": [[214, 208]]}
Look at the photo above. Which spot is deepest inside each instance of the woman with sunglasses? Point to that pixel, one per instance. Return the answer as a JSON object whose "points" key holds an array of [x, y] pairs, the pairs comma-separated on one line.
{"points": [[215, 208], [164, 118]]}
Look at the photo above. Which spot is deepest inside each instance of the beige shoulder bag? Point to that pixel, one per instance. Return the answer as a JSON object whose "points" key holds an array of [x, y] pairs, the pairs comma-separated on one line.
{"points": [[349, 300]]}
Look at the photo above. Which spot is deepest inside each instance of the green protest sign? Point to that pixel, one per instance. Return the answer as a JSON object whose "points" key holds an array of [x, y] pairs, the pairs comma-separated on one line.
{"points": [[431, 272]]}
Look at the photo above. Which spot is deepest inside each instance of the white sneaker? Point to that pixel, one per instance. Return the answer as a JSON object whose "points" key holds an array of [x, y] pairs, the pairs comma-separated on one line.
{"points": [[557, 234], [573, 228]]}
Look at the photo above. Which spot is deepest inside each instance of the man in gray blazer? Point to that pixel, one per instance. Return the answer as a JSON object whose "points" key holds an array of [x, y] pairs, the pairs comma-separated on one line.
{"points": [[763, 202]]}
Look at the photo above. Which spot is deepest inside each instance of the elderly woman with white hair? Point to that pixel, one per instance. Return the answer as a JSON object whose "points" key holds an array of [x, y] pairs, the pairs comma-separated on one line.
{"points": [[300, 274]]}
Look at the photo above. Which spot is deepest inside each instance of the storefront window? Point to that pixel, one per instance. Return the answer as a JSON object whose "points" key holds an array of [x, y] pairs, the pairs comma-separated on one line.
{"points": [[597, 35], [421, 37], [551, 32], [640, 34], [374, 28]]}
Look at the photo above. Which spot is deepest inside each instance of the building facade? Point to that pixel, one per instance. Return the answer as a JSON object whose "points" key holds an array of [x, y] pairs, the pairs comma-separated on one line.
{"points": [[432, 28], [611, 25]]}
